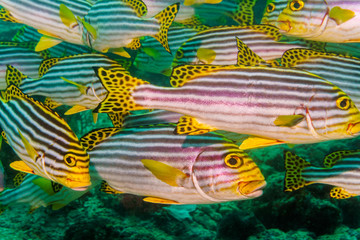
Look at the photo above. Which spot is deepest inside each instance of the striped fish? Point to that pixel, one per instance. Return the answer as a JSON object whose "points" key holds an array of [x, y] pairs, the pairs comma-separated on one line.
{"points": [[327, 21], [43, 140], [342, 71], [45, 15], [283, 104], [117, 24], [70, 81], [152, 57], [174, 169], [36, 192], [29, 34], [272, 11], [22, 56], [341, 169], [218, 46]]}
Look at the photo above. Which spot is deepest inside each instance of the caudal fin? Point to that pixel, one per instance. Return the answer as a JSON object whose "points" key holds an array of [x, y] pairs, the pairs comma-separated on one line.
{"points": [[14, 76], [119, 85], [165, 18], [294, 166]]}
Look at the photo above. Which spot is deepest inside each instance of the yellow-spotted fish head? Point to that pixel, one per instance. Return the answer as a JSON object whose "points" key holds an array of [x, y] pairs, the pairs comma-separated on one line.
{"points": [[272, 11], [332, 115], [303, 18], [225, 173]]}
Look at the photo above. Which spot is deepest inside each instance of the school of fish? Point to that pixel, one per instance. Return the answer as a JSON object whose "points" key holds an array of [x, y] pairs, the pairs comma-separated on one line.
{"points": [[189, 87]]}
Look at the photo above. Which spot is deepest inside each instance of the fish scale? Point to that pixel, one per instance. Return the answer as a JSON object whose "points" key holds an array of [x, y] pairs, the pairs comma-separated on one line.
{"points": [[26, 121]]}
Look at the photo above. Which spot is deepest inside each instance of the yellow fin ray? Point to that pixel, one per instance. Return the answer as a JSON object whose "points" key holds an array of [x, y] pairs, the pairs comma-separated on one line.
{"points": [[165, 173], [21, 166], [67, 17], [81, 88]]}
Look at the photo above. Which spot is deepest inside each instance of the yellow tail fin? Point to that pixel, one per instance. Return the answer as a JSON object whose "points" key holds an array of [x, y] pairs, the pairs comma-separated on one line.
{"points": [[294, 165], [165, 18]]}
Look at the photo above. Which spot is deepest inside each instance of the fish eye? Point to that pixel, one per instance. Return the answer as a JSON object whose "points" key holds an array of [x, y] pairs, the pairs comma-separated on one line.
{"points": [[233, 161], [344, 103], [296, 5], [70, 160], [179, 53], [270, 8]]}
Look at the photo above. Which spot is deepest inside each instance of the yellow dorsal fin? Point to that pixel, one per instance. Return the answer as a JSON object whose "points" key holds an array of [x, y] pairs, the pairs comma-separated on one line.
{"points": [[205, 55], [14, 76], [6, 16], [340, 193], [47, 64], [45, 185], [51, 103], [184, 73], [117, 119], [288, 120], [105, 187], [81, 88], [46, 42], [165, 18], [67, 17], [294, 166], [19, 178], [91, 139], [191, 126], [246, 57], [271, 31], [138, 6], [166, 173], [29, 148], [159, 200], [257, 142], [341, 15], [119, 85], [331, 159], [21, 166]]}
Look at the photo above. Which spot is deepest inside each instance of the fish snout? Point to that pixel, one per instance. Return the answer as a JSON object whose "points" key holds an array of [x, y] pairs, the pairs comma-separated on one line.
{"points": [[252, 188], [353, 128], [77, 184]]}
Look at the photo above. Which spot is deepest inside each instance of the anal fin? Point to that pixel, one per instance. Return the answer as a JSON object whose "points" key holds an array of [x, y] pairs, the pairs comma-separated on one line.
{"points": [[159, 200]]}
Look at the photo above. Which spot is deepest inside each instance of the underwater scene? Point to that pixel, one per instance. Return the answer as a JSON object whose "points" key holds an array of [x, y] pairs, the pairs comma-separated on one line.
{"points": [[179, 119]]}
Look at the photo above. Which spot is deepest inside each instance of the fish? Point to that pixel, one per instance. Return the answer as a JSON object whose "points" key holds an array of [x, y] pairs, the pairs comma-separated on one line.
{"points": [[341, 170], [272, 11], [327, 21], [43, 141], [48, 17], [340, 70], [218, 45], [119, 24], [21, 56], [246, 100], [66, 81], [151, 161], [35, 192]]}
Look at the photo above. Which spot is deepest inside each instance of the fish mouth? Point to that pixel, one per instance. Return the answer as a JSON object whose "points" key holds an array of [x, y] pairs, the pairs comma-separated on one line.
{"points": [[284, 25], [77, 185], [353, 128], [251, 189]]}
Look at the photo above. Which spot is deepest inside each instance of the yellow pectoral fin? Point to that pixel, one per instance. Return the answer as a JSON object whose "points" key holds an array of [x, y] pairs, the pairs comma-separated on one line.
{"points": [[30, 149], [21, 166], [46, 42], [81, 88], [205, 55], [67, 16], [159, 200], [190, 126], [44, 184], [341, 15], [340, 193], [257, 142], [76, 109], [288, 120], [168, 174]]}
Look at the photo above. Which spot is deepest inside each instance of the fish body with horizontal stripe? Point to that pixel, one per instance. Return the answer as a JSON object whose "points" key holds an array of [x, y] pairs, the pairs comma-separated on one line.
{"points": [[272, 11], [247, 100], [45, 15], [218, 45], [342, 71], [341, 169], [117, 25], [43, 140], [71, 81], [197, 169], [327, 21]]}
